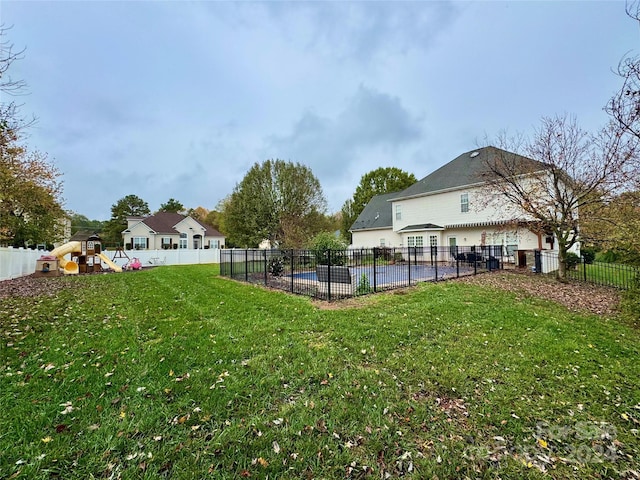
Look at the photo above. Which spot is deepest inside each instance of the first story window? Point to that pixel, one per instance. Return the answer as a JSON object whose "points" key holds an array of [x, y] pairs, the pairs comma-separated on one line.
{"points": [[183, 240], [433, 240], [166, 242], [140, 243], [382, 242], [214, 243]]}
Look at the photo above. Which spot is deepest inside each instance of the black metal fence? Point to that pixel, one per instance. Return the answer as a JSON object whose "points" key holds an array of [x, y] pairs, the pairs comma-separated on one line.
{"points": [[579, 269], [334, 274]]}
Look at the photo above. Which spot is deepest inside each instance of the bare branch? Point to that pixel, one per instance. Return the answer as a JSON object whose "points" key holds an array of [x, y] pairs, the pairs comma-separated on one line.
{"points": [[561, 170], [7, 57]]}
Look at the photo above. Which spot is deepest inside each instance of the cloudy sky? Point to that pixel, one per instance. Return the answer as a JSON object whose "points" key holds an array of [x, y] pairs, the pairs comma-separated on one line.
{"points": [[177, 99]]}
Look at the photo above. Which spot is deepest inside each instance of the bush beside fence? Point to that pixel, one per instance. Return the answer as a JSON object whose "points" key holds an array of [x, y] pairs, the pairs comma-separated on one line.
{"points": [[336, 274]]}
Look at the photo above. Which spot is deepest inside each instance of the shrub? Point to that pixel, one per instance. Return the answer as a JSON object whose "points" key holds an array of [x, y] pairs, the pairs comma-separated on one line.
{"points": [[364, 286], [610, 256], [327, 248], [589, 255], [571, 260], [276, 266]]}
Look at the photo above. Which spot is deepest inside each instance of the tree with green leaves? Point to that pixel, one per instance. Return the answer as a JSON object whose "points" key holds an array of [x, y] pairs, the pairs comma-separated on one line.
{"points": [[276, 201], [129, 206], [30, 184], [80, 223], [198, 213], [377, 182], [613, 226], [172, 206]]}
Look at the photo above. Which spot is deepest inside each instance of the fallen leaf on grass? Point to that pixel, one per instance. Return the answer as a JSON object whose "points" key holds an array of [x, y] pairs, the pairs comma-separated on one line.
{"points": [[276, 447]]}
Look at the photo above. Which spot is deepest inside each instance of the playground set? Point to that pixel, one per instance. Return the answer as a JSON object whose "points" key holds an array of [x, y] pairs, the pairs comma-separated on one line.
{"points": [[86, 255]]}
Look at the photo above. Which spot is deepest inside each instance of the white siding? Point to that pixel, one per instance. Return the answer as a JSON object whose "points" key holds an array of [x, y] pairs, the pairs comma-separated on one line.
{"points": [[444, 209], [371, 238]]}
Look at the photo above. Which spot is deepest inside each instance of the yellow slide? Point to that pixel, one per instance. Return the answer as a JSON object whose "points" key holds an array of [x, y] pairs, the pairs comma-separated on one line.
{"points": [[112, 265], [68, 267]]}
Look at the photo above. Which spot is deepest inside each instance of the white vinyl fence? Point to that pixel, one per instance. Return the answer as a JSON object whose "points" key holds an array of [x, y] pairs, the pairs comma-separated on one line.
{"points": [[18, 262], [181, 256]]}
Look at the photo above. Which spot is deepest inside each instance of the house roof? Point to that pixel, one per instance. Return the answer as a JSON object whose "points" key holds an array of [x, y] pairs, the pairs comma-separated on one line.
{"points": [[165, 222], [465, 170], [377, 213], [83, 236], [421, 226]]}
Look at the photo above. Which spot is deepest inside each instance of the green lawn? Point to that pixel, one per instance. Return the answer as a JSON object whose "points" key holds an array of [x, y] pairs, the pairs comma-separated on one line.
{"points": [[609, 274], [175, 372]]}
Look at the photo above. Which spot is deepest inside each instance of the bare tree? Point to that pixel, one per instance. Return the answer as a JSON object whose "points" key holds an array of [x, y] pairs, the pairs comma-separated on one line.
{"points": [[11, 124], [624, 106], [561, 170]]}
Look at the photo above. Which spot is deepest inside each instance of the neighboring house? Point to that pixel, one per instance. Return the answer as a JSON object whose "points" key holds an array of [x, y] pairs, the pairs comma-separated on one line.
{"points": [[166, 230], [449, 208]]}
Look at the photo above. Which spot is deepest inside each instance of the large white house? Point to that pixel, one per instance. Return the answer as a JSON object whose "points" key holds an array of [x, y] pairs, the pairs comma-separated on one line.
{"points": [[166, 230], [450, 207]]}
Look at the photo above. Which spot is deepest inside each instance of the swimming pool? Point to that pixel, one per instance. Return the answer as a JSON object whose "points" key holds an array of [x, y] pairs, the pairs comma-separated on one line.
{"points": [[389, 274]]}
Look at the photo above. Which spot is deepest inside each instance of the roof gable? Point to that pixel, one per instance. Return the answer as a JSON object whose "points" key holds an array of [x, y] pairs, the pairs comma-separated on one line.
{"points": [[163, 222], [166, 222]]}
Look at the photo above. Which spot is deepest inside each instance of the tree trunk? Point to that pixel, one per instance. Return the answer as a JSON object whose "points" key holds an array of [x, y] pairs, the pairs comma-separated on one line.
{"points": [[562, 263]]}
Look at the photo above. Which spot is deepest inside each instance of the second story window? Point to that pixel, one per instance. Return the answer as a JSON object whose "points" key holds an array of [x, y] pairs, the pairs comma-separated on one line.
{"points": [[398, 212], [464, 203]]}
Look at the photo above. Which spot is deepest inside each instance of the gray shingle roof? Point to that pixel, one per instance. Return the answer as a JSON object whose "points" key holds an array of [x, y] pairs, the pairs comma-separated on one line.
{"points": [[163, 222], [421, 226], [377, 213], [467, 169]]}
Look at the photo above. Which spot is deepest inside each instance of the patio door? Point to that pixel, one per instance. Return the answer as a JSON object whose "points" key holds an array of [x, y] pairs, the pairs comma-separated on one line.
{"points": [[453, 242]]}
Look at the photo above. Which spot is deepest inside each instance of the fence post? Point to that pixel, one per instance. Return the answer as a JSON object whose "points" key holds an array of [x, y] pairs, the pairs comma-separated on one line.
{"points": [[475, 260], [457, 257], [409, 264], [292, 270], [246, 265], [329, 275], [265, 267], [436, 262], [374, 270], [584, 268]]}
